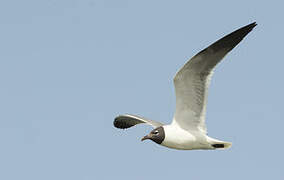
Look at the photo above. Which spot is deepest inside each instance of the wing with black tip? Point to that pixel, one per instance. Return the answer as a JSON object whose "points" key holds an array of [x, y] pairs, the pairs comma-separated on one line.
{"points": [[127, 121], [192, 80]]}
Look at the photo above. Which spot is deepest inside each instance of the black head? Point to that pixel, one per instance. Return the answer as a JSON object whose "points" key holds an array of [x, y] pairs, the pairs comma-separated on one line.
{"points": [[157, 135]]}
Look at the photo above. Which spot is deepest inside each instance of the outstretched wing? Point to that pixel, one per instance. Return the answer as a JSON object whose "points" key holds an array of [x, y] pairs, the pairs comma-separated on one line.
{"points": [[192, 80], [127, 121]]}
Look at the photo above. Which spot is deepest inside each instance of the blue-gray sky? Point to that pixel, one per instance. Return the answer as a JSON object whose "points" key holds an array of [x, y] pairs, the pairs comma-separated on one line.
{"points": [[69, 67]]}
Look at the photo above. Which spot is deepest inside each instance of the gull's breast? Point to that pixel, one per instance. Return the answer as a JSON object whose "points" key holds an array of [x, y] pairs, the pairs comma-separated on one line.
{"points": [[178, 138]]}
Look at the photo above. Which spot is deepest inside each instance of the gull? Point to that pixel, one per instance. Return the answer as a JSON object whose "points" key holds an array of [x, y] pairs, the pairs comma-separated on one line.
{"points": [[188, 130]]}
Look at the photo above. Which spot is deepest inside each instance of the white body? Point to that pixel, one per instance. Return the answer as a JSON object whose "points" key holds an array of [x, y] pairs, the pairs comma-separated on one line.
{"points": [[178, 138]]}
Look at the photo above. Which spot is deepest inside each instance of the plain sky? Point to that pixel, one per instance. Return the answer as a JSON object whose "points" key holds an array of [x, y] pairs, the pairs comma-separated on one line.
{"points": [[68, 67]]}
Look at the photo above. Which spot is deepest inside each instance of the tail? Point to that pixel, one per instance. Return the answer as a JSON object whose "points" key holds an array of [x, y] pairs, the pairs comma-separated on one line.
{"points": [[221, 145], [217, 144]]}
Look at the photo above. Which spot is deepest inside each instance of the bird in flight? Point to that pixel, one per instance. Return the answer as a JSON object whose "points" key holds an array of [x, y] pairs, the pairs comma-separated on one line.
{"points": [[188, 130]]}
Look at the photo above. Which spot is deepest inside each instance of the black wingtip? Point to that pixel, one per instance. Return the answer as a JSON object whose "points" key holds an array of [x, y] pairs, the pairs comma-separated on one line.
{"points": [[254, 23], [118, 123], [115, 124], [251, 26], [246, 29], [232, 39], [122, 122]]}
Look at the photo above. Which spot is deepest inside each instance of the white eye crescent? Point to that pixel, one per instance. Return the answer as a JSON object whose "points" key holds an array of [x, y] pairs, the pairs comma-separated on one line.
{"points": [[156, 132]]}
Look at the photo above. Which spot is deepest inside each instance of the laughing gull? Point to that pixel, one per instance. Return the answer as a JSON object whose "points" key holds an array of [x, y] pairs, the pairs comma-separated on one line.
{"points": [[188, 130]]}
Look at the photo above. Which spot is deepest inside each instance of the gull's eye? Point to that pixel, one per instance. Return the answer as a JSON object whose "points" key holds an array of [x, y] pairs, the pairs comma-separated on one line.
{"points": [[156, 132]]}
